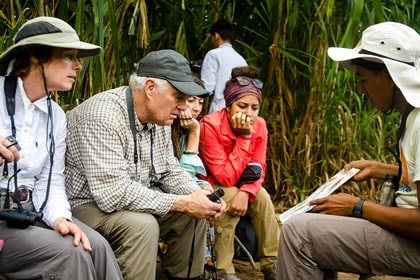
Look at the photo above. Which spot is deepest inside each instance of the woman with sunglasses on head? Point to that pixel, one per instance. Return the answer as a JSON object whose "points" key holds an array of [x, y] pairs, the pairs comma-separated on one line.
{"points": [[41, 238], [233, 143]]}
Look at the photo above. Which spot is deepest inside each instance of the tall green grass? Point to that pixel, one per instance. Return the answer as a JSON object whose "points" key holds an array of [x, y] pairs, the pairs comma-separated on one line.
{"points": [[316, 120]]}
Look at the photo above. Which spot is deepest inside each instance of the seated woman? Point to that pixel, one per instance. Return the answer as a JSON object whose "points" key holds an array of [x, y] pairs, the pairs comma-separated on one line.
{"points": [[185, 139], [42, 240], [233, 143]]}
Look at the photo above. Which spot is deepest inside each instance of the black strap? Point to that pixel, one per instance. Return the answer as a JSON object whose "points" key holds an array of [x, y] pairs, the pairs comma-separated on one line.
{"points": [[131, 118], [10, 91], [10, 84]]}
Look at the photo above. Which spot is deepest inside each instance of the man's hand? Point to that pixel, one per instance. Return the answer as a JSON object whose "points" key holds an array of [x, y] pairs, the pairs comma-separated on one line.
{"points": [[371, 169], [66, 227], [199, 206], [340, 204]]}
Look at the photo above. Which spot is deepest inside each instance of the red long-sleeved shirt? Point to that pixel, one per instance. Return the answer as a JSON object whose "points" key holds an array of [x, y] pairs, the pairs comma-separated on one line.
{"points": [[225, 155]]}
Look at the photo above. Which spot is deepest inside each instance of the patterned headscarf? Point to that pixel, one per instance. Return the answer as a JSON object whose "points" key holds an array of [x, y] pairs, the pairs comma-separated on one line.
{"points": [[241, 87]]}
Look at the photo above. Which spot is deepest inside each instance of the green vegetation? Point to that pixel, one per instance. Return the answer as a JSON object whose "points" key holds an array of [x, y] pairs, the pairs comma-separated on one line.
{"points": [[317, 121]]}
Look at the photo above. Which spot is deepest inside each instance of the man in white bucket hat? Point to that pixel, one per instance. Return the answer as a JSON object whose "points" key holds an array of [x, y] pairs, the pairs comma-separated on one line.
{"points": [[41, 238], [360, 236]]}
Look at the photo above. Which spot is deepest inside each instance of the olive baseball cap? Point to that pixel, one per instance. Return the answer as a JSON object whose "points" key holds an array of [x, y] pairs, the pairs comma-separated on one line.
{"points": [[173, 67], [45, 31]]}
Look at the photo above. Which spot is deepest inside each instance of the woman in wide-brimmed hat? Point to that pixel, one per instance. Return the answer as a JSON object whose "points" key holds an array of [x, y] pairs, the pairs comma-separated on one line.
{"points": [[361, 236], [41, 238]]}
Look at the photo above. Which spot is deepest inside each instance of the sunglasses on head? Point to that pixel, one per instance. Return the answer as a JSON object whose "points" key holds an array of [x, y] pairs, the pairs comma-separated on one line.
{"points": [[244, 81]]}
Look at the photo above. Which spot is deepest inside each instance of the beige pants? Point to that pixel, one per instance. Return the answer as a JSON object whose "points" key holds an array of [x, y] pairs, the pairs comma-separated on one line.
{"points": [[134, 238], [265, 222], [313, 245]]}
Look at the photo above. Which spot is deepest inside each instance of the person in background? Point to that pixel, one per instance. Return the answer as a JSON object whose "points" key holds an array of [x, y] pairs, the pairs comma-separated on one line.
{"points": [[219, 62], [345, 232], [233, 143], [123, 180], [45, 57]]}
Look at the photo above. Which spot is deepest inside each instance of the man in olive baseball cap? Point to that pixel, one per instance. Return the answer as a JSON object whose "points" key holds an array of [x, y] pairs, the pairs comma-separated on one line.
{"points": [[123, 179]]}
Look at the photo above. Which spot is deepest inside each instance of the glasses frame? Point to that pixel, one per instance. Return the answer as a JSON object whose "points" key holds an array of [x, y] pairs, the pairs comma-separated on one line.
{"points": [[244, 81]]}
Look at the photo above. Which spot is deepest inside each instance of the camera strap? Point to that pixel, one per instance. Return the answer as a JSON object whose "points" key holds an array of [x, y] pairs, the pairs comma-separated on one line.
{"points": [[131, 116], [10, 84]]}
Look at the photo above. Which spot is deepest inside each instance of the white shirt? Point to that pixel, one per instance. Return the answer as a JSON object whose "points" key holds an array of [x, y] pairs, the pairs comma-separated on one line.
{"points": [[216, 71], [31, 121]]}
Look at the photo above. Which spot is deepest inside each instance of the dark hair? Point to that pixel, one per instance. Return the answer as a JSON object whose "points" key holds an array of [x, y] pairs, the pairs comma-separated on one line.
{"points": [[224, 28], [374, 67], [177, 131], [22, 63]]}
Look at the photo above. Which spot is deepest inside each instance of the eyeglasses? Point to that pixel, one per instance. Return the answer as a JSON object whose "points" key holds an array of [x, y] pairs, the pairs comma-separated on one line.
{"points": [[244, 81]]}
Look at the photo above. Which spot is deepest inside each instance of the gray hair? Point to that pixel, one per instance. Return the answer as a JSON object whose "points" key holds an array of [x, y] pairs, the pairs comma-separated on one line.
{"points": [[137, 82]]}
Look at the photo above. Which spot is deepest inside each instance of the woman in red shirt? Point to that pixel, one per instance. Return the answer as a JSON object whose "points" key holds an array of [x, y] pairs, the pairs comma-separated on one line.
{"points": [[233, 144]]}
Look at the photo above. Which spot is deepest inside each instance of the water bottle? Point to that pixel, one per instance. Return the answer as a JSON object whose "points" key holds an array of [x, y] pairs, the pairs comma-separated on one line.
{"points": [[386, 194]]}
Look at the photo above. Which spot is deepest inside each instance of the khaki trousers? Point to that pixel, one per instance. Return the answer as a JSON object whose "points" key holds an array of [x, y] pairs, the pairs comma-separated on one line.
{"points": [[134, 238], [39, 252], [313, 245], [265, 222]]}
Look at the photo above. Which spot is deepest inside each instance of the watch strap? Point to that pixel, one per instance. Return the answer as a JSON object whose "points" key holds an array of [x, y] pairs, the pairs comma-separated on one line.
{"points": [[357, 211]]}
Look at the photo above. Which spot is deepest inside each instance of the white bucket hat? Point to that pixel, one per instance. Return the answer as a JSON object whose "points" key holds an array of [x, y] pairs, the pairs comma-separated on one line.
{"points": [[394, 44], [45, 31]]}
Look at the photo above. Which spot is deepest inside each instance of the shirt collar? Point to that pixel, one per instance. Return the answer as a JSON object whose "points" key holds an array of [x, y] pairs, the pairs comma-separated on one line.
{"points": [[41, 103], [225, 45]]}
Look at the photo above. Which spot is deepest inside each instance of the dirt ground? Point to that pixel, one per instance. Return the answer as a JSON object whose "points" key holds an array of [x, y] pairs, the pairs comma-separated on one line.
{"points": [[245, 271]]}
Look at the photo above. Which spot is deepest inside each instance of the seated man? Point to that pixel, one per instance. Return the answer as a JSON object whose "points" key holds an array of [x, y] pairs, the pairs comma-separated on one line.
{"points": [[361, 236], [123, 180]]}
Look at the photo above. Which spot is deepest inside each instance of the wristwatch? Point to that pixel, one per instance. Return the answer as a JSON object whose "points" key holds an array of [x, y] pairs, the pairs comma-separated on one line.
{"points": [[357, 211]]}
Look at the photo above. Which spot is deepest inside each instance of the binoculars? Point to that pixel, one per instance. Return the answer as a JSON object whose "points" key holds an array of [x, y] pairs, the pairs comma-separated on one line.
{"points": [[17, 219]]}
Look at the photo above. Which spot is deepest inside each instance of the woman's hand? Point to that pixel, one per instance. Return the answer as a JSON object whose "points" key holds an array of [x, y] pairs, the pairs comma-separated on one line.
{"points": [[241, 124], [187, 121], [8, 151], [66, 227], [239, 204]]}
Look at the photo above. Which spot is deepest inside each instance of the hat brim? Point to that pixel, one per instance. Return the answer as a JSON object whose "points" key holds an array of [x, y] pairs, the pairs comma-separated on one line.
{"points": [[406, 77], [85, 50], [189, 88]]}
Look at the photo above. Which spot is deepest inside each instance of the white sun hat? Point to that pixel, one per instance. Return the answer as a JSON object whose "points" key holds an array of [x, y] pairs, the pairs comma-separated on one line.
{"points": [[394, 44], [45, 31]]}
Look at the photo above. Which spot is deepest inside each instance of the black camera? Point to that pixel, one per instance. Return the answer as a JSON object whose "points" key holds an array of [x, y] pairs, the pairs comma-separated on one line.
{"points": [[17, 219], [215, 196]]}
